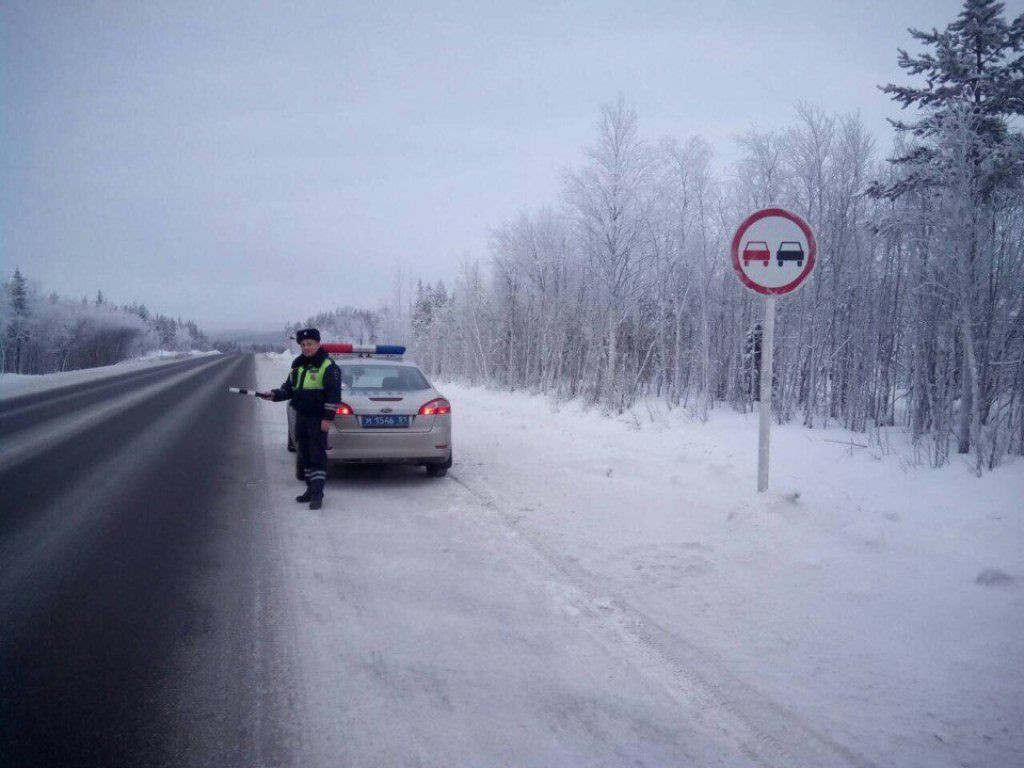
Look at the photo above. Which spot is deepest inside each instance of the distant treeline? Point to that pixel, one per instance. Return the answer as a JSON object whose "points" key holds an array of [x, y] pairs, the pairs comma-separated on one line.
{"points": [[47, 333], [346, 324], [234, 346]]}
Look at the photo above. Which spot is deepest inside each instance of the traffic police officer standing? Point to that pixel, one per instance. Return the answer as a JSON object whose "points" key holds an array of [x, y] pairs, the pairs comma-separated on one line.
{"points": [[314, 387]]}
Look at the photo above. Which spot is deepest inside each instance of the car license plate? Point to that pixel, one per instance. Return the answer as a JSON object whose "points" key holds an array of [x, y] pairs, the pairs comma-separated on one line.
{"points": [[384, 421]]}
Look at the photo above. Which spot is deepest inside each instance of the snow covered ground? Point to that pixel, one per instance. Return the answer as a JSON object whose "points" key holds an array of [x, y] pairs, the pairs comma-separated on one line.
{"points": [[12, 384], [882, 603], [877, 606], [594, 590]]}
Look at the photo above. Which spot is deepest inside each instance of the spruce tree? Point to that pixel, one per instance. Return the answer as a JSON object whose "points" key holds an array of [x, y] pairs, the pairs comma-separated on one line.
{"points": [[17, 331], [975, 65], [422, 312], [959, 160]]}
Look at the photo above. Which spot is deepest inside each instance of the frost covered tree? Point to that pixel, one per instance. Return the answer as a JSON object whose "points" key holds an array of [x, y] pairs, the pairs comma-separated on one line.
{"points": [[42, 333], [344, 324], [606, 201], [16, 322], [914, 317], [958, 179]]}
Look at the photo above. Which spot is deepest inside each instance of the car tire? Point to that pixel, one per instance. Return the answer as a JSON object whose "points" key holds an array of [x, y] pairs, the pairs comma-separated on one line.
{"points": [[439, 470]]}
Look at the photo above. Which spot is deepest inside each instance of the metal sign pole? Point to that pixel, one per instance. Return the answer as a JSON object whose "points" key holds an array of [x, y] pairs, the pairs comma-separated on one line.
{"points": [[765, 406]]}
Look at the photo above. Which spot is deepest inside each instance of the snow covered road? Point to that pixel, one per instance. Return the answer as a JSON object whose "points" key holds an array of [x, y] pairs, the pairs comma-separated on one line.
{"points": [[429, 631], [836, 621], [426, 633]]}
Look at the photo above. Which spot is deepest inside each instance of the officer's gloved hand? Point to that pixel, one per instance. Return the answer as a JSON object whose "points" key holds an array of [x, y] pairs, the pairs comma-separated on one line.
{"points": [[265, 395]]}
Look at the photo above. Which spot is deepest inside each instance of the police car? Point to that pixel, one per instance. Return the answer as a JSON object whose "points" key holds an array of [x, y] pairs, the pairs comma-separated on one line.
{"points": [[389, 412]]}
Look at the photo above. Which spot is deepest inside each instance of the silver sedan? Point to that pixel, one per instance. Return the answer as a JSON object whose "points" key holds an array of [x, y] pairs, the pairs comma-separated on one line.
{"points": [[389, 413]]}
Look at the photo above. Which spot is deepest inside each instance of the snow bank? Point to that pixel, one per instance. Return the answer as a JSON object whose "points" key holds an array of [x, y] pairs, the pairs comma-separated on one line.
{"points": [[880, 601], [12, 384], [284, 358], [163, 354]]}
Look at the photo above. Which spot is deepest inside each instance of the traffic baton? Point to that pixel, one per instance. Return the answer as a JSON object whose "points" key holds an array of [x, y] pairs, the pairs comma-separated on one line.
{"points": [[238, 391]]}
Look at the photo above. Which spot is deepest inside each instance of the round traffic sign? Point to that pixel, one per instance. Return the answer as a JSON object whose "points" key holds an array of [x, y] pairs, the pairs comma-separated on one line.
{"points": [[773, 251]]}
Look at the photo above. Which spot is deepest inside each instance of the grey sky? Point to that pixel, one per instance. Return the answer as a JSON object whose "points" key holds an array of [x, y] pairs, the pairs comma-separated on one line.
{"points": [[249, 163]]}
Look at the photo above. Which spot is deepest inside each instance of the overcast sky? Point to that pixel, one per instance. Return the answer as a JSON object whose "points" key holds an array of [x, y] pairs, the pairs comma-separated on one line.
{"points": [[248, 163]]}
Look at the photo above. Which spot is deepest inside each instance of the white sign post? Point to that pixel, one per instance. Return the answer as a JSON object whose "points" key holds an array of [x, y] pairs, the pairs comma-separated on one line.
{"points": [[773, 253]]}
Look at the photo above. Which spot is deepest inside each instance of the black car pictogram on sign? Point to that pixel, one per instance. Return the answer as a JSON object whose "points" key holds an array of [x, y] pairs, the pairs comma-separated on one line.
{"points": [[790, 250]]}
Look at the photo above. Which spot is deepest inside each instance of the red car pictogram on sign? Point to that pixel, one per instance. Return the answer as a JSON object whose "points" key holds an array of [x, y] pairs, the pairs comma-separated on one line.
{"points": [[792, 240], [757, 250]]}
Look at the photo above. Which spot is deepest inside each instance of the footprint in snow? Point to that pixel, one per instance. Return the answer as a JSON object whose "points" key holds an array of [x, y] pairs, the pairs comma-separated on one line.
{"points": [[993, 577]]}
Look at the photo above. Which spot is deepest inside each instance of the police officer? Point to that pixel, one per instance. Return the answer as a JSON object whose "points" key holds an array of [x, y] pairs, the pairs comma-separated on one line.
{"points": [[314, 387]]}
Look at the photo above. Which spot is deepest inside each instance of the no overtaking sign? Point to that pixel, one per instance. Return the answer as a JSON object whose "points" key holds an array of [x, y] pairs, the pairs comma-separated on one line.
{"points": [[773, 253]]}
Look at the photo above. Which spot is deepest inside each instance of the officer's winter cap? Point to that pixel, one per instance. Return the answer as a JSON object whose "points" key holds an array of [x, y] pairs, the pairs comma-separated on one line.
{"points": [[307, 333]]}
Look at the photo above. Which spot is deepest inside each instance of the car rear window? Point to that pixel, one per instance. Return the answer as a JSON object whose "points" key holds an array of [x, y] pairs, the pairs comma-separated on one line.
{"points": [[382, 378]]}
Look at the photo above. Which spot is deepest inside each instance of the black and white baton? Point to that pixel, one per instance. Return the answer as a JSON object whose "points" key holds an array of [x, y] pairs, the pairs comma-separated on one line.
{"points": [[238, 391]]}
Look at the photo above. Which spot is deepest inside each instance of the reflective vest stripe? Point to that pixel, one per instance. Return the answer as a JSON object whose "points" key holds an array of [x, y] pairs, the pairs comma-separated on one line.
{"points": [[310, 379]]}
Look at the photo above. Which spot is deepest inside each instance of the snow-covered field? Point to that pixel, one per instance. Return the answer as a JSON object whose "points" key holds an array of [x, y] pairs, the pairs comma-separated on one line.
{"points": [[869, 605], [12, 384], [881, 602]]}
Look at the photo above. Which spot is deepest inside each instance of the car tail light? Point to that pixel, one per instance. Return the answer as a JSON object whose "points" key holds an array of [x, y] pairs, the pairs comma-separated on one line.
{"points": [[436, 407], [344, 410]]}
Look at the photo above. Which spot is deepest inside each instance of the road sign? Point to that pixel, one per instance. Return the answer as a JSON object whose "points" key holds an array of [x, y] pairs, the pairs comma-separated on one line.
{"points": [[773, 253]]}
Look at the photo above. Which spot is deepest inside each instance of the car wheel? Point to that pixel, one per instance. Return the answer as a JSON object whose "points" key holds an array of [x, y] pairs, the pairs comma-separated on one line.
{"points": [[440, 470]]}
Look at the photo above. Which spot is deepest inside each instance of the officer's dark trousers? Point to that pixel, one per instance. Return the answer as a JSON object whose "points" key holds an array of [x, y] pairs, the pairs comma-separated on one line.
{"points": [[311, 444]]}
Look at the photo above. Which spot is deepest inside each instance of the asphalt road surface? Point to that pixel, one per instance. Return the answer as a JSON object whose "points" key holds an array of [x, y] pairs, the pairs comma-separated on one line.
{"points": [[164, 602], [131, 574]]}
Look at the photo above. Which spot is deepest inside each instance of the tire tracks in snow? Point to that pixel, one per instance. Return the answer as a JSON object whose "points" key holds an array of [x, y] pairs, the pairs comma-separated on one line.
{"points": [[770, 735]]}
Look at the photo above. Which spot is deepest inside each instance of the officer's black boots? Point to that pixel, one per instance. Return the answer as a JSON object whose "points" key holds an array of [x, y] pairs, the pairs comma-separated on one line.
{"points": [[316, 500], [316, 489]]}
